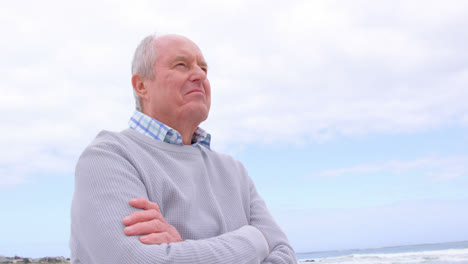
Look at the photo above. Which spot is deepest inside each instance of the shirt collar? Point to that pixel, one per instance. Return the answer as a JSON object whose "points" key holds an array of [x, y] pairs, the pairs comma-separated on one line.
{"points": [[151, 127]]}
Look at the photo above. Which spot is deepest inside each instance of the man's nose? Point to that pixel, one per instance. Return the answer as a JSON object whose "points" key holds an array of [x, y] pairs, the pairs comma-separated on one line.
{"points": [[198, 74]]}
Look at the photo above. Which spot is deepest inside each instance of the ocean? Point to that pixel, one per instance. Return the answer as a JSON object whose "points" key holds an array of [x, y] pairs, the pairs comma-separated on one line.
{"points": [[444, 253]]}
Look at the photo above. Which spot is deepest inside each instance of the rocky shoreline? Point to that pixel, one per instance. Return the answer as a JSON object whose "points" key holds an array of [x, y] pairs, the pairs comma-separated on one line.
{"points": [[18, 259]]}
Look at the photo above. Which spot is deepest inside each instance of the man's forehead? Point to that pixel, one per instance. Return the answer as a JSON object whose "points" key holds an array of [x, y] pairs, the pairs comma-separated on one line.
{"points": [[176, 43], [177, 47]]}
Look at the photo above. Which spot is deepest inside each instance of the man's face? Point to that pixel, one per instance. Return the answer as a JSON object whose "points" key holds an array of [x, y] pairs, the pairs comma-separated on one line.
{"points": [[180, 89]]}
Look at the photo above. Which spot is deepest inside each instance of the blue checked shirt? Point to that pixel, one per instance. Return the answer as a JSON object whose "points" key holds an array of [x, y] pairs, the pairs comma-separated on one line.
{"points": [[154, 129]]}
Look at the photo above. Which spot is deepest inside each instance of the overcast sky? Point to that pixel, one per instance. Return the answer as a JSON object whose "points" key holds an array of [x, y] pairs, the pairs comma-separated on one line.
{"points": [[351, 116]]}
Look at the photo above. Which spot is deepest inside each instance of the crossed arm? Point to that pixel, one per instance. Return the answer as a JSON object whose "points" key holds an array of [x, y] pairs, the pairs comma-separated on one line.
{"points": [[154, 229]]}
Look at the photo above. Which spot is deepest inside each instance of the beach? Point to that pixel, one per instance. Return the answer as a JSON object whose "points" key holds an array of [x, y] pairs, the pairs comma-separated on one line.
{"points": [[443, 253]]}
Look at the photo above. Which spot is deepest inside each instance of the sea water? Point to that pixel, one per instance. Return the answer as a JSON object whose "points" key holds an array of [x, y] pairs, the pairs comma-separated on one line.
{"points": [[444, 253]]}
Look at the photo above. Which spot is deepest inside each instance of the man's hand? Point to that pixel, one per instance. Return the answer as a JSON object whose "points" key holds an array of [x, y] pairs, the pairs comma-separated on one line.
{"points": [[150, 223]]}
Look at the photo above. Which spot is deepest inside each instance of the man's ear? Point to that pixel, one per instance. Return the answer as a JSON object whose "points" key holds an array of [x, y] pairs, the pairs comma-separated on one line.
{"points": [[139, 85]]}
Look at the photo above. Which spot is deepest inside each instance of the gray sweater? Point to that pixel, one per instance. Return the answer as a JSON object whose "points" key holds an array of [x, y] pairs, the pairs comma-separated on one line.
{"points": [[207, 196]]}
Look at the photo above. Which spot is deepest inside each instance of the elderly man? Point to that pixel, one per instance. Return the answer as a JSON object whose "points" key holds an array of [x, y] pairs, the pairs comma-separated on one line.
{"points": [[199, 206]]}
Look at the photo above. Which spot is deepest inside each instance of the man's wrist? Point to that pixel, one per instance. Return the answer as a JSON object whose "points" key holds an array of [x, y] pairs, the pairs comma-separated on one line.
{"points": [[258, 240]]}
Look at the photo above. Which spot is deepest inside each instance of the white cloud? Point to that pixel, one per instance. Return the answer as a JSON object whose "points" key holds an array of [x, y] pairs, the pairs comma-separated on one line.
{"points": [[331, 70], [434, 168], [316, 69]]}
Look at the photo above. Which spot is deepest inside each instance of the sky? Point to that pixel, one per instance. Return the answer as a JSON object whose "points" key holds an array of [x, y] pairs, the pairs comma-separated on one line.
{"points": [[350, 116]]}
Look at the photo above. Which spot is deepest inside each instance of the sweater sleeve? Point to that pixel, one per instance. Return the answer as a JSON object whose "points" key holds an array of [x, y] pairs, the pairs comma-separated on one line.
{"points": [[280, 249], [104, 182]]}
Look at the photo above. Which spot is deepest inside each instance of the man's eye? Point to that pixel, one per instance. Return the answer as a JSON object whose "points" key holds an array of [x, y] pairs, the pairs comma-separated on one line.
{"points": [[180, 64]]}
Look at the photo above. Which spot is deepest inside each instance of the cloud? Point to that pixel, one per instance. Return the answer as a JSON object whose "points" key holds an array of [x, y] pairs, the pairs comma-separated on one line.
{"points": [[434, 168], [289, 73], [332, 70]]}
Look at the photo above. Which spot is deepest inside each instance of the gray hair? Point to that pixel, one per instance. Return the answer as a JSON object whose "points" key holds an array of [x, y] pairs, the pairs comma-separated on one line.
{"points": [[143, 63]]}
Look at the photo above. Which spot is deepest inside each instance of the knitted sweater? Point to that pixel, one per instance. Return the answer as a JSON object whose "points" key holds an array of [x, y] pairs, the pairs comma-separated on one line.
{"points": [[207, 196]]}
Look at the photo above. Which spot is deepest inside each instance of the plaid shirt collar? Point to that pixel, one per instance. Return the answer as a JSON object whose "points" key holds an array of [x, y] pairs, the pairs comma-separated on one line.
{"points": [[153, 128]]}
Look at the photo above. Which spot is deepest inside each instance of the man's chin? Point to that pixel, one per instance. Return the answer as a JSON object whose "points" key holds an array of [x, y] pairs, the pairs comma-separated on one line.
{"points": [[197, 111]]}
